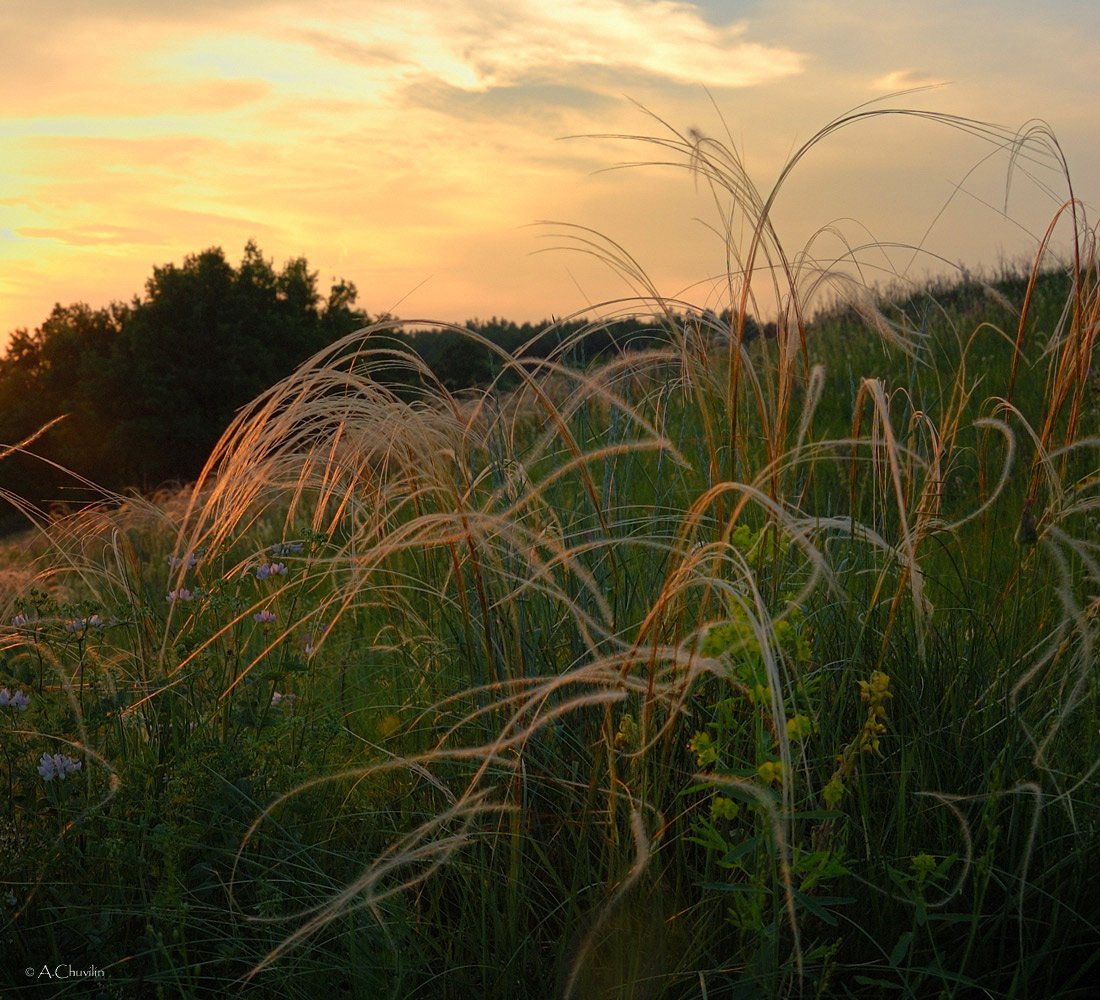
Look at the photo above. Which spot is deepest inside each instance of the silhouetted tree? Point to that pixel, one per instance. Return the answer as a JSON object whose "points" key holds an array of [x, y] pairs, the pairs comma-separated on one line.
{"points": [[147, 388]]}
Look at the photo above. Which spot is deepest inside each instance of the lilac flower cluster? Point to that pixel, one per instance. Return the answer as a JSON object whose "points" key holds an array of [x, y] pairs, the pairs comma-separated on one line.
{"points": [[180, 594], [190, 559], [83, 624], [18, 701], [312, 640], [57, 765], [270, 569], [281, 549], [264, 617], [30, 625]]}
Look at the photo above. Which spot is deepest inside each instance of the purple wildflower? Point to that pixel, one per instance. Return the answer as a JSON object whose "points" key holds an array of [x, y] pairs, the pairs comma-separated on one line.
{"points": [[18, 701], [182, 594], [83, 624], [313, 639], [264, 617], [57, 765]]}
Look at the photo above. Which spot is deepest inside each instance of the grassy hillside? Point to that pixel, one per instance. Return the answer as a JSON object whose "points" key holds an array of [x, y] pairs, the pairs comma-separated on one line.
{"points": [[723, 669]]}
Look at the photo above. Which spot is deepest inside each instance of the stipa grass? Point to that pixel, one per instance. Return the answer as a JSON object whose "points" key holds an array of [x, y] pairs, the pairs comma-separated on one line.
{"points": [[729, 669]]}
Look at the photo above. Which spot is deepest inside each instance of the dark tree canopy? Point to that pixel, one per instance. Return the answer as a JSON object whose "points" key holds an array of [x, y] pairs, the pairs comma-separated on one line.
{"points": [[147, 388]]}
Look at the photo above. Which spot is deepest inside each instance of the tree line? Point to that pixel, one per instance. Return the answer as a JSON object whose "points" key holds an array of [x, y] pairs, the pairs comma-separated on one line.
{"points": [[145, 388]]}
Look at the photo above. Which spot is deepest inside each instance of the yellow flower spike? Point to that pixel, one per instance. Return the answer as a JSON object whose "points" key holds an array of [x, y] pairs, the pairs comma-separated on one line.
{"points": [[799, 727], [627, 735], [770, 772], [833, 792], [388, 725], [704, 749], [923, 866], [876, 690], [723, 808]]}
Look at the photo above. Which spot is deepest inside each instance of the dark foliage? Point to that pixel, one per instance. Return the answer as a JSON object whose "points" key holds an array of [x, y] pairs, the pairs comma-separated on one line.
{"points": [[145, 389]]}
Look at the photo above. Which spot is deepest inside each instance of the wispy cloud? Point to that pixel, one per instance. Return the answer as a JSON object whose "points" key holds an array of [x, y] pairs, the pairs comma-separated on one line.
{"points": [[480, 46], [906, 79], [90, 236]]}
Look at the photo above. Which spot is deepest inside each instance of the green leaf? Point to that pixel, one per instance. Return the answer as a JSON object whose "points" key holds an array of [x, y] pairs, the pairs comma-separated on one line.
{"points": [[820, 814], [744, 888], [884, 984], [819, 906], [709, 837], [740, 851], [945, 975], [901, 949], [702, 786]]}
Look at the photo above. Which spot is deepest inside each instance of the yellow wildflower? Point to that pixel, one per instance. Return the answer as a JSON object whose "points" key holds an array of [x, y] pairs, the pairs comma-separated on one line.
{"points": [[770, 772], [388, 725]]}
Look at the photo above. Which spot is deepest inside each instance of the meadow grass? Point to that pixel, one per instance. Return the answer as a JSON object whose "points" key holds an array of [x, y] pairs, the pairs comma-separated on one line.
{"points": [[732, 669]]}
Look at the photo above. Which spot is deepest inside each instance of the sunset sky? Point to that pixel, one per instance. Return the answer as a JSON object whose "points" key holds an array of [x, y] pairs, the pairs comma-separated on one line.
{"points": [[408, 146]]}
